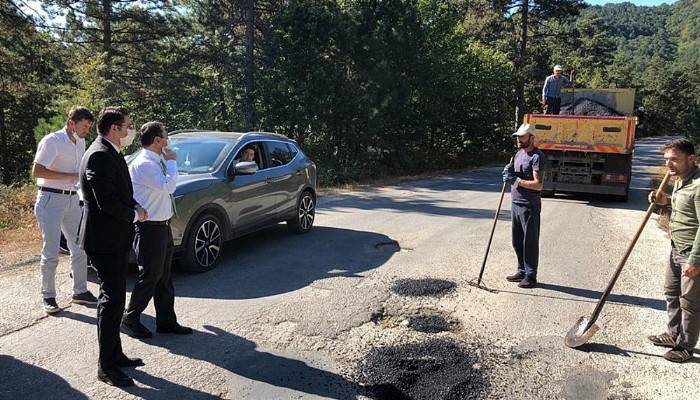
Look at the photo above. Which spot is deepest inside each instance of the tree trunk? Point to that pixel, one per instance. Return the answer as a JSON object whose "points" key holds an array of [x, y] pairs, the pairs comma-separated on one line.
{"points": [[107, 37], [3, 143], [520, 65], [249, 65]]}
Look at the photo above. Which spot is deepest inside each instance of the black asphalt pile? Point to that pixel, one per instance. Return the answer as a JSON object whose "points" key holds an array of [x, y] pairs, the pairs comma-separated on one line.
{"points": [[591, 108], [437, 369], [431, 324], [423, 287]]}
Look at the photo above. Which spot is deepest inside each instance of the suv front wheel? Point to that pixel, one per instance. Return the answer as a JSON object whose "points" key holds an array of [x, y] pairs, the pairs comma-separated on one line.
{"points": [[204, 243], [306, 213]]}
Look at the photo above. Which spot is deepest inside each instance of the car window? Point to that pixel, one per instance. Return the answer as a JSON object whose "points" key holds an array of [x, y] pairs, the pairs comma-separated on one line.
{"points": [[198, 155], [279, 153], [257, 148], [293, 149]]}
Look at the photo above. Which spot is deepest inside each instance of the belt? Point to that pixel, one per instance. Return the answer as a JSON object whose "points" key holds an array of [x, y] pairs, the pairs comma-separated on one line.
{"points": [[165, 223], [59, 191]]}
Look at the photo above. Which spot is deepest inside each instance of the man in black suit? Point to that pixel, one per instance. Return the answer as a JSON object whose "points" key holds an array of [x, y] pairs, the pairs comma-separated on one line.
{"points": [[107, 233]]}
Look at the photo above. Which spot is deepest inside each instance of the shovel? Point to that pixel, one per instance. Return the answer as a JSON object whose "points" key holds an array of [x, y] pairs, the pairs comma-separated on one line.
{"points": [[585, 327], [488, 245]]}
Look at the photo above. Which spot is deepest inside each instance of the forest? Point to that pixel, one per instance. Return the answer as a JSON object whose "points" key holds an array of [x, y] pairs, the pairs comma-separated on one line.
{"points": [[369, 88]]}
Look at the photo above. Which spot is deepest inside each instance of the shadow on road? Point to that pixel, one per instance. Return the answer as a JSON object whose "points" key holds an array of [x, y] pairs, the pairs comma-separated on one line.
{"points": [[592, 296], [273, 262], [25, 381], [617, 351], [241, 357]]}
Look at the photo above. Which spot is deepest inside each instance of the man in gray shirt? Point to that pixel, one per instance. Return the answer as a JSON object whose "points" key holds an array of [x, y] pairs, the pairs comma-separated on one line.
{"points": [[551, 92]]}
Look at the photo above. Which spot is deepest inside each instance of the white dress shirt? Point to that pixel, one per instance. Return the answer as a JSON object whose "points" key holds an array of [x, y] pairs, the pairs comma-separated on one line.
{"points": [[57, 153], [152, 187]]}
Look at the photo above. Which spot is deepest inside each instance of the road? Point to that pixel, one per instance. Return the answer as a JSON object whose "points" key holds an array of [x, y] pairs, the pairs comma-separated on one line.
{"points": [[338, 313]]}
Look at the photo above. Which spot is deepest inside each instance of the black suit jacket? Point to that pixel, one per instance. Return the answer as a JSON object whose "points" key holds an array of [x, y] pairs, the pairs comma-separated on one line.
{"points": [[107, 226]]}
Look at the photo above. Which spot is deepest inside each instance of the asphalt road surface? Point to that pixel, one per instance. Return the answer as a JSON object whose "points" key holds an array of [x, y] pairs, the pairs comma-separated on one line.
{"points": [[375, 303]]}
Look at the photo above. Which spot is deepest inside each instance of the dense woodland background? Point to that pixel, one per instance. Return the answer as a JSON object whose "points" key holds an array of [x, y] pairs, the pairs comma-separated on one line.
{"points": [[368, 87]]}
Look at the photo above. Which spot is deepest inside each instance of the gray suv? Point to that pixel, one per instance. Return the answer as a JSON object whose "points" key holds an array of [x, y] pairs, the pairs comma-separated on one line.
{"points": [[221, 196]]}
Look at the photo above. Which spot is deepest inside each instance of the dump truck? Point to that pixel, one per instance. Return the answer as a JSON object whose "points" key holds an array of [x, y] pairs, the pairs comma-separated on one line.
{"points": [[589, 145]]}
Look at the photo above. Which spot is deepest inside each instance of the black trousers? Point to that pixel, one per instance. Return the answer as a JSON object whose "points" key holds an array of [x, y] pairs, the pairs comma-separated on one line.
{"points": [[111, 270], [526, 237], [153, 245], [553, 105]]}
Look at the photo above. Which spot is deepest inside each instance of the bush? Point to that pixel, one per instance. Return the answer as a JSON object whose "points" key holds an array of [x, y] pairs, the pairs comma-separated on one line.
{"points": [[16, 206]]}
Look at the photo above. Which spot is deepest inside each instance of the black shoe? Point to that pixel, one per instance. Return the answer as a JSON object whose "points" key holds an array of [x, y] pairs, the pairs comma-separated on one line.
{"points": [[84, 298], [528, 283], [678, 354], [135, 329], [125, 362], [515, 278], [50, 305], [114, 376], [176, 329]]}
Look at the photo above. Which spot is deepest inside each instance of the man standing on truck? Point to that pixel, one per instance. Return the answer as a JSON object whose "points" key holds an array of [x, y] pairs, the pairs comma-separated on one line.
{"points": [[682, 283], [525, 175], [551, 92]]}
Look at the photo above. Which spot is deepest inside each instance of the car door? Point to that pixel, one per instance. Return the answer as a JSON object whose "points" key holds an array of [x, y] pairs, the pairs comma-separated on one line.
{"points": [[283, 180], [248, 203]]}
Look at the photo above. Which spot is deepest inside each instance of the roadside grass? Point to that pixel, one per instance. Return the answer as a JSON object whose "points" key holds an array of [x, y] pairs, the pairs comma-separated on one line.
{"points": [[17, 222]]}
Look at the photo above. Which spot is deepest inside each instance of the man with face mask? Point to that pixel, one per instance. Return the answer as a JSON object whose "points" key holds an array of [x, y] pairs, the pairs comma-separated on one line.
{"points": [[107, 233], [154, 176], [57, 207], [524, 174]]}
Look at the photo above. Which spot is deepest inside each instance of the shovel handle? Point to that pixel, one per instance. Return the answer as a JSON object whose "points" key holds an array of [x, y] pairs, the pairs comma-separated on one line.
{"points": [[605, 295], [493, 228]]}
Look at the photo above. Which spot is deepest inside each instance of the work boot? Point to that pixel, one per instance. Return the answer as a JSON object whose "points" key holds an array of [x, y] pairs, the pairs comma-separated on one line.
{"points": [[678, 354], [528, 283], [515, 278], [664, 340]]}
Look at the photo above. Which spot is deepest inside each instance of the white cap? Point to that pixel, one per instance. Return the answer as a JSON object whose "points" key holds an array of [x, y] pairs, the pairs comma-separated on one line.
{"points": [[557, 67], [524, 130]]}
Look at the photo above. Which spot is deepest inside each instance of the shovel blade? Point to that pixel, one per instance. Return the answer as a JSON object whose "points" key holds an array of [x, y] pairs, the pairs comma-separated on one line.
{"points": [[578, 334]]}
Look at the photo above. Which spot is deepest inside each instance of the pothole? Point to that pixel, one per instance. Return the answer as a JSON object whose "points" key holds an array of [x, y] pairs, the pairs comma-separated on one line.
{"points": [[425, 321], [392, 246], [432, 324], [437, 369], [423, 287]]}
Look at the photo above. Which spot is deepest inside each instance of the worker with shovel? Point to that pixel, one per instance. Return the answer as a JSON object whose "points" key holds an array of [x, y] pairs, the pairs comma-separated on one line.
{"points": [[682, 285], [524, 173]]}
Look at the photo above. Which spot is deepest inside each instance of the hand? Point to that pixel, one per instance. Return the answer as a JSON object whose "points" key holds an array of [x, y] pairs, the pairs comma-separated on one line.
{"points": [[691, 271], [660, 198], [509, 176], [169, 154], [543, 102], [142, 213]]}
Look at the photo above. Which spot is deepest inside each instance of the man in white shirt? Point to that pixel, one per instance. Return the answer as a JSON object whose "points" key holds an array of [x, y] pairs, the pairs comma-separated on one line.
{"points": [[154, 176], [57, 207]]}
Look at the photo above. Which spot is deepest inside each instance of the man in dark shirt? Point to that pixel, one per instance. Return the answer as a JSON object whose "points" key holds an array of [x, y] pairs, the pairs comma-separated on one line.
{"points": [[525, 175]]}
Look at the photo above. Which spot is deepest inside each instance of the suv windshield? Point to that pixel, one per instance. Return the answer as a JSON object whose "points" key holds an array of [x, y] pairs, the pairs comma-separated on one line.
{"points": [[199, 155]]}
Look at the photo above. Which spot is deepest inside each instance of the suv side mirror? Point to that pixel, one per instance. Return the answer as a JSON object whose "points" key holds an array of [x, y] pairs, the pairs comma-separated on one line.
{"points": [[245, 168]]}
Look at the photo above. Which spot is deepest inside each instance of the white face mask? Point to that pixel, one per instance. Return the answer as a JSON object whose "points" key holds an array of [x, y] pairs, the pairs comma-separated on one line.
{"points": [[126, 141]]}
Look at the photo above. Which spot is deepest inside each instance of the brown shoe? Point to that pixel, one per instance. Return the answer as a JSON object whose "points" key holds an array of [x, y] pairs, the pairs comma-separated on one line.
{"points": [[515, 278], [664, 340], [678, 354], [528, 283]]}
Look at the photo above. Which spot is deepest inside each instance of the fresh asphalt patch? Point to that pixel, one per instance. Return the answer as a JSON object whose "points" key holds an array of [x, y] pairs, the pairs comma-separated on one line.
{"points": [[423, 287], [436, 369]]}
